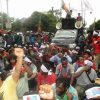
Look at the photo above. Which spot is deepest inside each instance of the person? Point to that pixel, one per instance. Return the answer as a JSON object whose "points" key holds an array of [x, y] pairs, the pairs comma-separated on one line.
{"points": [[78, 63], [8, 87], [45, 76], [56, 58], [62, 85], [64, 68], [84, 75], [32, 79]]}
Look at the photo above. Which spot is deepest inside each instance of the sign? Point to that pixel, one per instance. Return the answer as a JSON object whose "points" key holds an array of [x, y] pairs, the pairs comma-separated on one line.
{"points": [[31, 97]]}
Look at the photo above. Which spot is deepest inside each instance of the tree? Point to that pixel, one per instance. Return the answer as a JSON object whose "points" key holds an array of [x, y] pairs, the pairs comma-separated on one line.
{"points": [[16, 26], [46, 21], [95, 25]]}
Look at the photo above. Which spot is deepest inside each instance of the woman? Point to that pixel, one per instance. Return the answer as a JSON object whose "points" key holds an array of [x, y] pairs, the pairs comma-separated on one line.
{"points": [[8, 87]]}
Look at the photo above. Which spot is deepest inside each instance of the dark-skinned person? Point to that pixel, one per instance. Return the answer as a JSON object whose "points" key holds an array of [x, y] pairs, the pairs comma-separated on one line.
{"points": [[84, 75], [62, 85], [9, 84], [64, 69]]}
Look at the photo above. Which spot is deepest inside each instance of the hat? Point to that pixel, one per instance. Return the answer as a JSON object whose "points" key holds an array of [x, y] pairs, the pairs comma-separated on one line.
{"points": [[44, 69], [77, 47], [88, 63], [27, 59]]}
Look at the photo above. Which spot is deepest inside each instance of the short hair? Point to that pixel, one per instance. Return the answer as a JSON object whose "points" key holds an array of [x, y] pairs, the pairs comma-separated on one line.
{"points": [[11, 56], [3, 75], [64, 59], [65, 81]]}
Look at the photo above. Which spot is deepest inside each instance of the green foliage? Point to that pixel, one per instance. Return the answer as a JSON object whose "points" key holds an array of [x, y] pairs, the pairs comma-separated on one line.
{"points": [[16, 26], [46, 21], [95, 25]]}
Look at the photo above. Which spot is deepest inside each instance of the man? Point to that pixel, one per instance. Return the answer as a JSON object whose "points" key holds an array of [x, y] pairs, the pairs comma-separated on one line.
{"points": [[62, 85], [8, 87], [46, 76], [85, 75], [64, 68], [31, 79], [56, 58]]}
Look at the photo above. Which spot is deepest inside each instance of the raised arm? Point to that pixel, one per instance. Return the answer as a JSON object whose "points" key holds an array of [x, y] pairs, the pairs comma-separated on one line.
{"points": [[16, 72]]}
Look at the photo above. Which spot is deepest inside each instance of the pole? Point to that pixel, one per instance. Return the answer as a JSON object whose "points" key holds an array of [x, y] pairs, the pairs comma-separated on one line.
{"points": [[8, 24], [7, 11], [1, 15], [82, 9]]}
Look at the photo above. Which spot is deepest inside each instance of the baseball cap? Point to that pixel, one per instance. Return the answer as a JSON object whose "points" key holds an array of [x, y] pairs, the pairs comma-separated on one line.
{"points": [[88, 63]]}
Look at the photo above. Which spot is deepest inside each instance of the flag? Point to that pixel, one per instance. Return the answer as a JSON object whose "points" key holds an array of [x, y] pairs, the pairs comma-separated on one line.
{"points": [[64, 6], [87, 5]]}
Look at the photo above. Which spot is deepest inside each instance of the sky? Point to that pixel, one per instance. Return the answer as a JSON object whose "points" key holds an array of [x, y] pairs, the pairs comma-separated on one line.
{"points": [[24, 8]]}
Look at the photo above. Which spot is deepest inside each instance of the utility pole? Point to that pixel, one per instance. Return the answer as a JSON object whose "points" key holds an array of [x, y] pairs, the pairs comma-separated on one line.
{"points": [[1, 15], [8, 24]]}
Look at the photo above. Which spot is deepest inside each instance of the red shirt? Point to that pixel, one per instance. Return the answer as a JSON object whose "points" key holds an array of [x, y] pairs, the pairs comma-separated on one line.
{"points": [[49, 79], [96, 46]]}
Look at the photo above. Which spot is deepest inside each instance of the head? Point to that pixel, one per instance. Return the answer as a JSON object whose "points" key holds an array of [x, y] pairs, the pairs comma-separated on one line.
{"points": [[64, 62], [87, 54], [3, 75], [62, 84], [88, 64], [78, 14], [77, 48], [60, 55], [80, 59], [12, 59], [45, 69]]}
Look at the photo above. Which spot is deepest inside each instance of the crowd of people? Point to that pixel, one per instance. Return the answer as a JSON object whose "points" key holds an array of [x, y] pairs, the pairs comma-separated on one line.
{"points": [[31, 63]]}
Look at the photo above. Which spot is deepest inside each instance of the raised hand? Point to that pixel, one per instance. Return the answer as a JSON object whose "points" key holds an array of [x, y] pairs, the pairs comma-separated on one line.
{"points": [[19, 52]]}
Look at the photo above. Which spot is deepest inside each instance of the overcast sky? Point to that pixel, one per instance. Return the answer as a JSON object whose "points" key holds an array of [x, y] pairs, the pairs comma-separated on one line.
{"points": [[24, 8]]}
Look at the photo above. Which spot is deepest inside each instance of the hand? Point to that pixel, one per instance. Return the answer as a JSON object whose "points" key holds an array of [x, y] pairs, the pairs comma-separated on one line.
{"points": [[69, 96], [46, 92], [19, 52], [86, 68]]}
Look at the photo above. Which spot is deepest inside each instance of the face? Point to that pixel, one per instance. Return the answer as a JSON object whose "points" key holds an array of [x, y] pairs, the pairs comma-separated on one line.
{"points": [[85, 55], [81, 59], [60, 89], [60, 55], [64, 63]]}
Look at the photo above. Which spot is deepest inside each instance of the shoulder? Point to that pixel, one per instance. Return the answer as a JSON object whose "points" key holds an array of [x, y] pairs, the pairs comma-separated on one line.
{"points": [[92, 70], [79, 69]]}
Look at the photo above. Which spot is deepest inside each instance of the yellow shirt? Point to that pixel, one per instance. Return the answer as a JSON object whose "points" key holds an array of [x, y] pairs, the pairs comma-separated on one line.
{"points": [[8, 89]]}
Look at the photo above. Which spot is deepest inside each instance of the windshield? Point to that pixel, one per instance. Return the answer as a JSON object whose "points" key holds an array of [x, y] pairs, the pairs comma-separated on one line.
{"points": [[64, 33]]}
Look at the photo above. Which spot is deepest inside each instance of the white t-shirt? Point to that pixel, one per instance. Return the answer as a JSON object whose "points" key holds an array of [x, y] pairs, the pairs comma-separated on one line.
{"points": [[83, 78]]}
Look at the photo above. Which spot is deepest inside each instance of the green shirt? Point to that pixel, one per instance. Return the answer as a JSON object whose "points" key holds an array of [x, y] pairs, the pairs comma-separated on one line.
{"points": [[64, 97]]}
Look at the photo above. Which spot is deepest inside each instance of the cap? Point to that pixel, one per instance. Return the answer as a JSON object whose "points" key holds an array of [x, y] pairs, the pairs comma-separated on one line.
{"points": [[44, 69], [77, 47], [88, 63]]}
